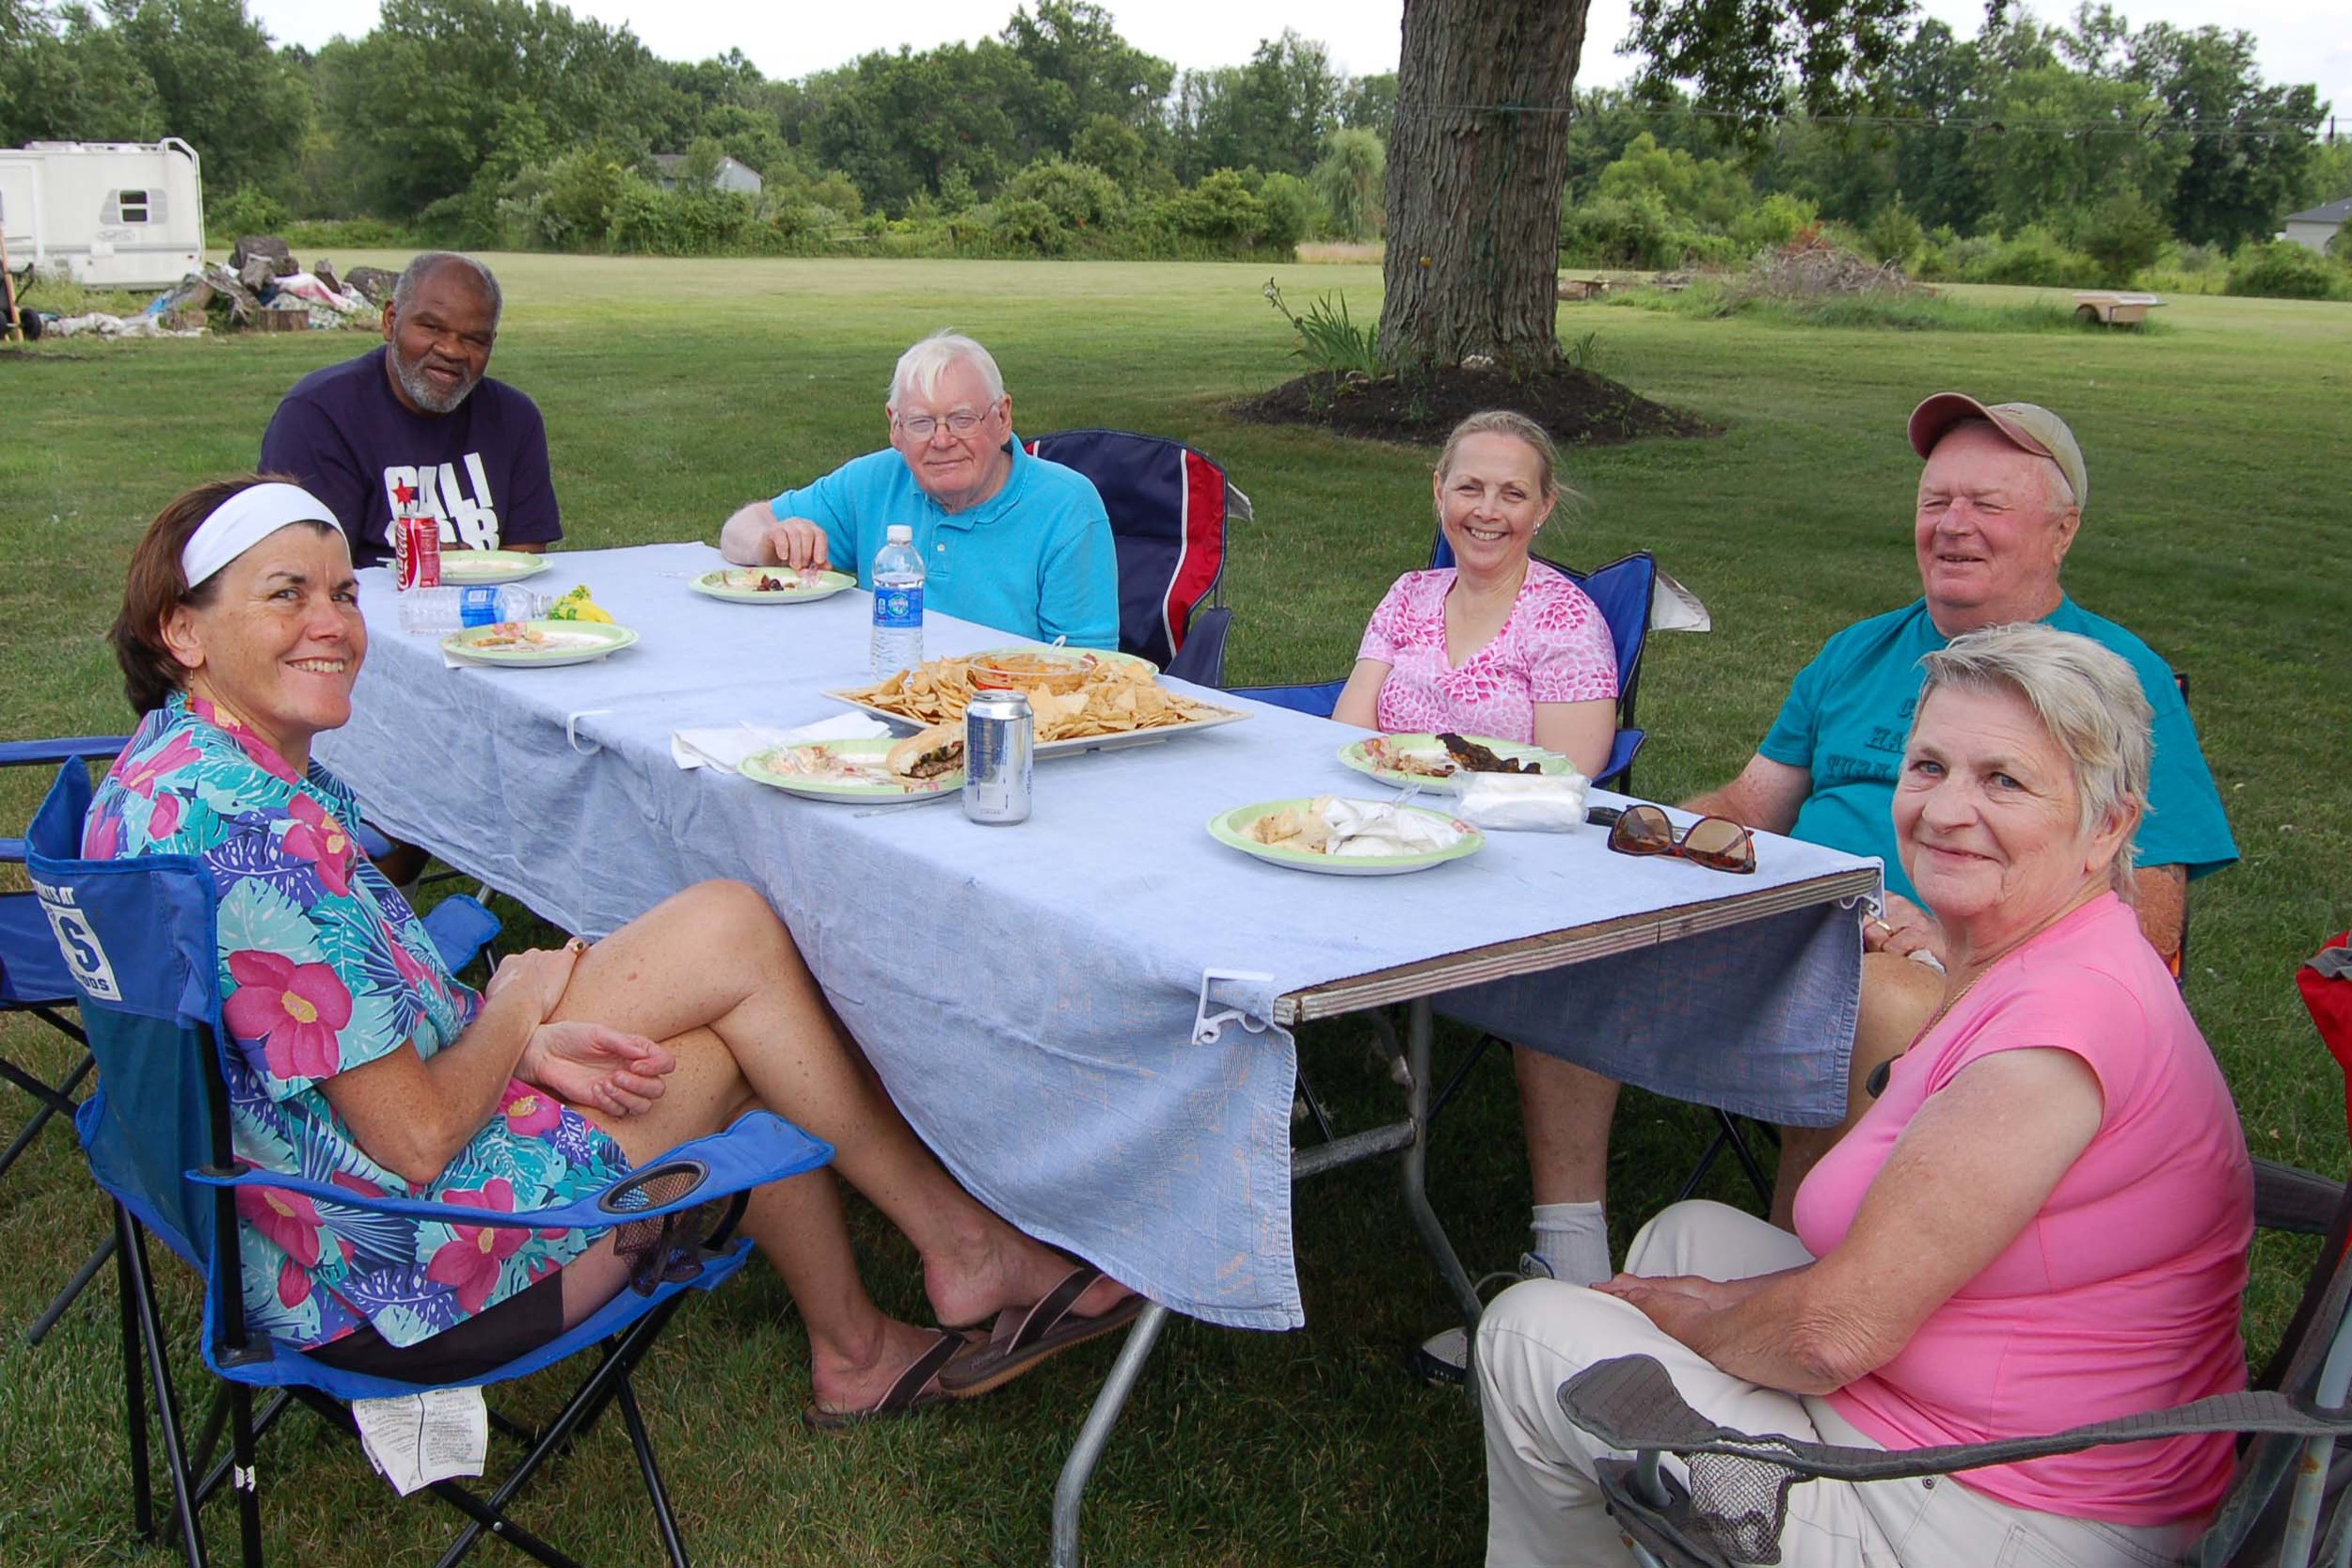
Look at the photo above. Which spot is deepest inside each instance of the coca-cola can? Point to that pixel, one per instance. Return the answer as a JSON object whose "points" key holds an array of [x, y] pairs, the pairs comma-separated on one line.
{"points": [[417, 551], [998, 746]]}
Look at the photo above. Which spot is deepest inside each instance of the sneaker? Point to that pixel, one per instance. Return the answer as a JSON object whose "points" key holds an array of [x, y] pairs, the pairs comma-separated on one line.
{"points": [[1442, 1360]]}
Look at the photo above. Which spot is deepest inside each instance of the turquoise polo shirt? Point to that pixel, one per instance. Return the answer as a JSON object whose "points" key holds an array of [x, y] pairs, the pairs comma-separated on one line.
{"points": [[1035, 559], [1849, 714]]}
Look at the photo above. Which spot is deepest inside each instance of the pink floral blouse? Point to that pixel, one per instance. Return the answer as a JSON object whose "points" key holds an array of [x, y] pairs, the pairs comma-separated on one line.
{"points": [[1554, 649]]}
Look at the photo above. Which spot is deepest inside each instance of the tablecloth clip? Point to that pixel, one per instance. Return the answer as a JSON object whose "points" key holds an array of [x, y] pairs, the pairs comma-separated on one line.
{"points": [[571, 730], [1207, 1027]]}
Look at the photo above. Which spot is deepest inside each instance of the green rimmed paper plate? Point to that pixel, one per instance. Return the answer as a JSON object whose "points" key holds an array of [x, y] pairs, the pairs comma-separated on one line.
{"points": [[775, 770], [470, 569], [1230, 828], [740, 585], [1358, 754], [541, 644]]}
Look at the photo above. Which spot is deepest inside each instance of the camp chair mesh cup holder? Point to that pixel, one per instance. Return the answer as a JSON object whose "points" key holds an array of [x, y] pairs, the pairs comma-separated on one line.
{"points": [[140, 937], [1732, 1508]]}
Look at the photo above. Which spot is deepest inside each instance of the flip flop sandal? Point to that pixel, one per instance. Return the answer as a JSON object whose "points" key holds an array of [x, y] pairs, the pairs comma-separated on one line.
{"points": [[1024, 1336], [917, 1388]]}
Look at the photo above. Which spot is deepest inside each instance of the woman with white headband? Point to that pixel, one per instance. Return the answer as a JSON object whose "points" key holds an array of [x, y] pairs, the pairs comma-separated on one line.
{"points": [[240, 638]]}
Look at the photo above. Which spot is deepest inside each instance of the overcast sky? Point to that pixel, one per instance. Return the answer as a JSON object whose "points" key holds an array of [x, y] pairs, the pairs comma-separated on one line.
{"points": [[2301, 41]]}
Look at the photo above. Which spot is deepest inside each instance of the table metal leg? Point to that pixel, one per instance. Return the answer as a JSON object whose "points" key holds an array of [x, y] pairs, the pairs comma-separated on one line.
{"points": [[1419, 1027], [1070, 1491]]}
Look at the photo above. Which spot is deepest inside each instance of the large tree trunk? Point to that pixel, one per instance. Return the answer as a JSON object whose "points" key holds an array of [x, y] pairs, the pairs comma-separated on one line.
{"points": [[1477, 161]]}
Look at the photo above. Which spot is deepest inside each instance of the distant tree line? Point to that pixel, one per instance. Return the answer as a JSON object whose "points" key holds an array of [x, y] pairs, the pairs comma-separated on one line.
{"points": [[2033, 152], [503, 121]]}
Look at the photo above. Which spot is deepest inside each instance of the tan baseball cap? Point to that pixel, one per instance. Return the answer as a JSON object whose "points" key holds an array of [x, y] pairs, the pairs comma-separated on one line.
{"points": [[2029, 427]]}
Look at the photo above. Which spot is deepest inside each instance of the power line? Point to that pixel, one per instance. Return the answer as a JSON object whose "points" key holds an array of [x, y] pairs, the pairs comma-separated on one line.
{"points": [[2149, 127]]}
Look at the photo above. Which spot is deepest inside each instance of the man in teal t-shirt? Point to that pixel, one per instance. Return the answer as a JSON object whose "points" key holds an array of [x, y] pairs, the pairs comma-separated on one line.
{"points": [[1008, 540], [2000, 499]]}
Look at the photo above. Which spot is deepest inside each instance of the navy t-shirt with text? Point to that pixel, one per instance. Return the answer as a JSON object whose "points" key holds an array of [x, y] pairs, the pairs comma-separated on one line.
{"points": [[482, 468]]}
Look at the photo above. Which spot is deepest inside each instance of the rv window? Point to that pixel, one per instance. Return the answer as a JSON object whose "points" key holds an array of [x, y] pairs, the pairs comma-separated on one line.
{"points": [[133, 206]]}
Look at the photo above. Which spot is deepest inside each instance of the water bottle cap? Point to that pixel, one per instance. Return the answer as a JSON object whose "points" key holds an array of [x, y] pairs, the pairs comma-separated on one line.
{"points": [[899, 534]]}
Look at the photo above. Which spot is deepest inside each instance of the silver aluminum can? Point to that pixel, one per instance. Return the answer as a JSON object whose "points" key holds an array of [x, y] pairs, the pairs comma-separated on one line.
{"points": [[999, 745]]}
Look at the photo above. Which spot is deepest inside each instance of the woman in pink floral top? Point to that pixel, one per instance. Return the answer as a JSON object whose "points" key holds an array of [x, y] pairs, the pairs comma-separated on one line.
{"points": [[359, 1058], [1496, 645]]}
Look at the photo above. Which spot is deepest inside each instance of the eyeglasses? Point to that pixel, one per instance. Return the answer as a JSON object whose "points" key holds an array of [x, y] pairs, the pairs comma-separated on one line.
{"points": [[922, 427], [1717, 842]]}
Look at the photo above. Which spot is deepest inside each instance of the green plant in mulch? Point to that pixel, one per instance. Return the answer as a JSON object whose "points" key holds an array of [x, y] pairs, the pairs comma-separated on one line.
{"points": [[1328, 338]]}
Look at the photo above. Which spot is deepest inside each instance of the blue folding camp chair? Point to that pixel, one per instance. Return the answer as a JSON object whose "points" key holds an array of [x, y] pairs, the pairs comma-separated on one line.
{"points": [[33, 981], [138, 936], [1620, 590], [1169, 506]]}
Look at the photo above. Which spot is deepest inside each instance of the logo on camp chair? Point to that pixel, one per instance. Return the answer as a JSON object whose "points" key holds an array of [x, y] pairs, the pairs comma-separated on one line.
{"points": [[78, 943]]}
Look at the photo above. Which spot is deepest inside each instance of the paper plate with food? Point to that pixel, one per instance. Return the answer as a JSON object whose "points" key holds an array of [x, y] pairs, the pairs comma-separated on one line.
{"points": [[1115, 700], [772, 584], [538, 644], [470, 569], [1445, 761], [925, 763], [1339, 837]]}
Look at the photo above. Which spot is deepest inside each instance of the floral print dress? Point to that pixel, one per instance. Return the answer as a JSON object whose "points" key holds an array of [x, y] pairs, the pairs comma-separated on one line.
{"points": [[324, 967]]}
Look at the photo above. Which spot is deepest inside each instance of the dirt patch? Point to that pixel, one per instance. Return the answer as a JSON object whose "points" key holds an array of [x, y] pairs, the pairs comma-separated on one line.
{"points": [[1577, 406]]}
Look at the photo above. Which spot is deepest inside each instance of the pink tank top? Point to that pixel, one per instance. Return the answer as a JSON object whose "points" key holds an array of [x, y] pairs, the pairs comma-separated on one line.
{"points": [[2122, 1294]]}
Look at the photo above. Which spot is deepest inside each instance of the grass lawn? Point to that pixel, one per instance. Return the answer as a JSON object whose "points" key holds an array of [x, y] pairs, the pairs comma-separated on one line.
{"points": [[674, 391]]}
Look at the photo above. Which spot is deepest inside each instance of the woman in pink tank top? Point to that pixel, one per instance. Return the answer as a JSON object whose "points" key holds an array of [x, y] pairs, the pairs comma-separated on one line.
{"points": [[2042, 1222], [1496, 644]]}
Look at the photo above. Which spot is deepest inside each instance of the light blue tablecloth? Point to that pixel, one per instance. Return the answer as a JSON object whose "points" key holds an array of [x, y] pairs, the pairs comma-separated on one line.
{"points": [[1028, 992]]}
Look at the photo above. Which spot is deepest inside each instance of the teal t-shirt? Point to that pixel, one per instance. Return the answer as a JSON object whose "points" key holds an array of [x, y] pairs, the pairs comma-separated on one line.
{"points": [[1849, 713], [1036, 559]]}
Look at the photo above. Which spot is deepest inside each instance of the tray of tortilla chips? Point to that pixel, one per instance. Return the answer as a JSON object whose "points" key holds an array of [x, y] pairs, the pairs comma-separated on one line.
{"points": [[1117, 701]]}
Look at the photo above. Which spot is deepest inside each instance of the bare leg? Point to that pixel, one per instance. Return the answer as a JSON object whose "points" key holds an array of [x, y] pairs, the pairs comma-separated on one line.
{"points": [[1897, 998], [713, 967], [1566, 1110]]}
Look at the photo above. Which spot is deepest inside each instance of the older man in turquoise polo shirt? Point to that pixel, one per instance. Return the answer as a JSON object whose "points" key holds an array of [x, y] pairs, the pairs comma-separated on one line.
{"points": [[1008, 540]]}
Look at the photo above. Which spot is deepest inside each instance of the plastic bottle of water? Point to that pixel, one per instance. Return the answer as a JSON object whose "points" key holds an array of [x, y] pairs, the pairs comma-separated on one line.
{"points": [[898, 603], [434, 610], [447, 607]]}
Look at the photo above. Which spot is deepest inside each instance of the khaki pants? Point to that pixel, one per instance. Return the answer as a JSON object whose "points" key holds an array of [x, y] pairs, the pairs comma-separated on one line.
{"points": [[1544, 1507]]}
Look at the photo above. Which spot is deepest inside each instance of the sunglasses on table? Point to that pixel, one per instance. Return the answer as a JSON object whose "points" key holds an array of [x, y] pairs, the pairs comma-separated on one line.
{"points": [[1717, 842]]}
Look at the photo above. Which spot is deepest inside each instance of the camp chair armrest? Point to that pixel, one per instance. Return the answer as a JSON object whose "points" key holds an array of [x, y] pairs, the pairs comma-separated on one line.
{"points": [[1632, 1403], [760, 1147], [26, 753], [2300, 1202]]}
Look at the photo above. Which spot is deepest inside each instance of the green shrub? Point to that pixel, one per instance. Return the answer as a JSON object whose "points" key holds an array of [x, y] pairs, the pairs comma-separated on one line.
{"points": [[1079, 196], [246, 210], [1293, 212], [1640, 230], [1025, 223], [2123, 235], [1893, 235], [2034, 255], [2280, 269], [687, 220], [1220, 208], [1775, 221]]}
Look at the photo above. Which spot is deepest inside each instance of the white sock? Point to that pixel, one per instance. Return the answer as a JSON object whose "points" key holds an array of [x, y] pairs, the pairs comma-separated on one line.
{"points": [[1573, 1239]]}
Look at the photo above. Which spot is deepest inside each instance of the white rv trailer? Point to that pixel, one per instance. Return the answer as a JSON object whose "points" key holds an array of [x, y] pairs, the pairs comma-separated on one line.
{"points": [[110, 214]]}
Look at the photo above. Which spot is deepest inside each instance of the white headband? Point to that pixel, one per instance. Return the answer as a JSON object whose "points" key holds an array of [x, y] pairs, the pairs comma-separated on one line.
{"points": [[242, 521]]}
